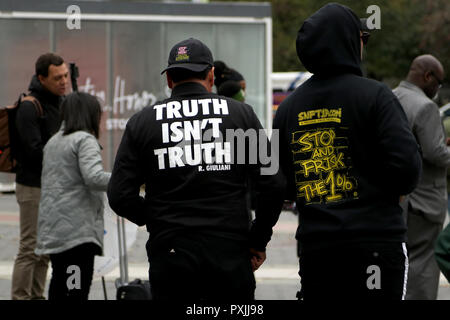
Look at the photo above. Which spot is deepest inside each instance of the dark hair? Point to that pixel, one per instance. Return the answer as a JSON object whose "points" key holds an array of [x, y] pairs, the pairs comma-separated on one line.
{"points": [[229, 88], [181, 74], [81, 111], [224, 73], [44, 62]]}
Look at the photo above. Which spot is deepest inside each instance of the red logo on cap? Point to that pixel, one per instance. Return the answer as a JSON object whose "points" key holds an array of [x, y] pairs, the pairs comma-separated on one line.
{"points": [[182, 50]]}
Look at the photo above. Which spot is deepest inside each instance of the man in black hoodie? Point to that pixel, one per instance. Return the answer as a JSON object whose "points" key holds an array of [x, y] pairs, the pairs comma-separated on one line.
{"points": [[348, 155], [201, 246], [48, 86]]}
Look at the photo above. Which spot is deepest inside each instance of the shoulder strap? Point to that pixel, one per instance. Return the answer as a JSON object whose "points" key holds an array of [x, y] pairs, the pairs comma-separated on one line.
{"points": [[36, 104]]}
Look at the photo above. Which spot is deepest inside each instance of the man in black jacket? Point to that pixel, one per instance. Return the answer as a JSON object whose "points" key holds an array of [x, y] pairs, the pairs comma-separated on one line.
{"points": [[48, 86], [200, 245], [348, 155]]}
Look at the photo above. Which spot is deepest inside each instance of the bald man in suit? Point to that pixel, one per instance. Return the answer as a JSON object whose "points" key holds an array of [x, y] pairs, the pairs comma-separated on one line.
{"points": [[425, 208]]}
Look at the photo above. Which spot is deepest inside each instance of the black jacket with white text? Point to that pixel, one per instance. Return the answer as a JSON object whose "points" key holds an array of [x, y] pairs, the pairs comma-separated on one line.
{"points": [[179, 149]]}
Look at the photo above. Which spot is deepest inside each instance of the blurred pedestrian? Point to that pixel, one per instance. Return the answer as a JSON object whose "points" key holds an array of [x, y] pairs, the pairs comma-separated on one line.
{"points": [[70, 224], [425, 208], [230, 83], [201, 247], [349, 155], [48, 85]]}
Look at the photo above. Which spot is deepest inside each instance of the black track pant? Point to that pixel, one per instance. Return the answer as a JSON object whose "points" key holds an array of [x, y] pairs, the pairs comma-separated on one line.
{"points": [[201, 268], [361, 271]]}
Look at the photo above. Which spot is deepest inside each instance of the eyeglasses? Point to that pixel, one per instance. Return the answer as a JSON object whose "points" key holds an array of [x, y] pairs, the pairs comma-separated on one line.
{"points": [[437, 79], [365, 37]]}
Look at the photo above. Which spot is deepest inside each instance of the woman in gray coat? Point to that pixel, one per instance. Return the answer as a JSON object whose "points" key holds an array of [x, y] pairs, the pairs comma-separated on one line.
{"points": [[70, 222]]}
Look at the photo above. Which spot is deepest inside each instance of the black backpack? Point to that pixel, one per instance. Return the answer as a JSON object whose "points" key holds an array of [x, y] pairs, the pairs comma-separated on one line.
{"points": [[8, 131]]}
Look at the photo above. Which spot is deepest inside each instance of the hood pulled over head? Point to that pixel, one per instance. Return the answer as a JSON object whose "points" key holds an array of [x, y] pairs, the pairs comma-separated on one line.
{"points": [[329, 41]]}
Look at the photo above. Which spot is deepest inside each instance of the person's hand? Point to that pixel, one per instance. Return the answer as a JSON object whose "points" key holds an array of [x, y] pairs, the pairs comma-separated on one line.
{"points": [[401, 199], [447, 141], [258, 258]]}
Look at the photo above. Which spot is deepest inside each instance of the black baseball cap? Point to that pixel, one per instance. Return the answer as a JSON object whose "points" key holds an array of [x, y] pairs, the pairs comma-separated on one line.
{"points": [[191, 54]]}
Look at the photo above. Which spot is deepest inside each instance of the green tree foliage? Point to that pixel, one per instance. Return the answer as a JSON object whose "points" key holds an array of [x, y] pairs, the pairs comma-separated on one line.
{"points": [[408, 28], [435, 37]]}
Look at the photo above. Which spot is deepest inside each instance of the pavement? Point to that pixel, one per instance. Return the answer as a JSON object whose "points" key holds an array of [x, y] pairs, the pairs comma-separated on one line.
{"points": [[277, 279]]}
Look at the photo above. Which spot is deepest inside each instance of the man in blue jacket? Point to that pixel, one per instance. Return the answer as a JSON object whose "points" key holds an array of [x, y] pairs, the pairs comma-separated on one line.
{"points": [[348, 155]]}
